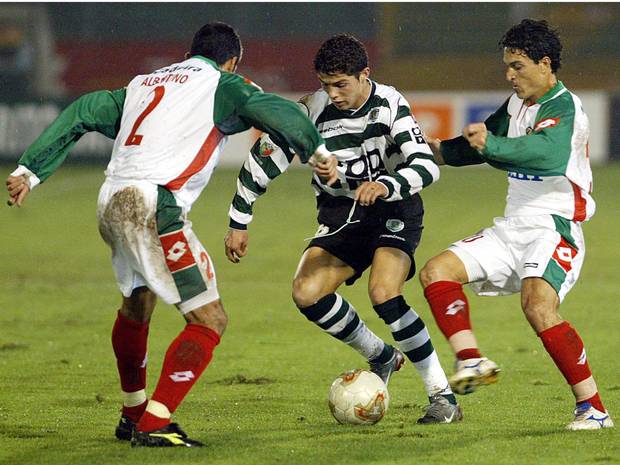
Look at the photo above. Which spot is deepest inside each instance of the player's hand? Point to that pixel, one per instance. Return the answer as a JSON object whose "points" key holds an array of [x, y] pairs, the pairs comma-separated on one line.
{"points": [[18, 189], [476, 135], [236, 244], [325, 167], [369, 192], [435, 145]]}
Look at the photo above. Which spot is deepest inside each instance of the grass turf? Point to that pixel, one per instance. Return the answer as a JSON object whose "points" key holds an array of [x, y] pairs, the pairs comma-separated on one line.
{"points": [[263, 398]]}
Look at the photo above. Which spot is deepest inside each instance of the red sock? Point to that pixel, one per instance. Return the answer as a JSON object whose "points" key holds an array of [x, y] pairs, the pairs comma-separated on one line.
{"points": [[136, 412], [449, 306], [466, 354], [186, 359], [566, 349], [129, 343], [595, 401]]}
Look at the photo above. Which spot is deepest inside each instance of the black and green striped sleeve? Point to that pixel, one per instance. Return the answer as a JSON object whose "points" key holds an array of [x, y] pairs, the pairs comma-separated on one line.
{"points": [[418, 170], [265, 162]]}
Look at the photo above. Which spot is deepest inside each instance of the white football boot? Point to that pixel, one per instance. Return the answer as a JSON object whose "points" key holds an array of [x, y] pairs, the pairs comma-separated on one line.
{"points": [[473, 372], [587, 417]]}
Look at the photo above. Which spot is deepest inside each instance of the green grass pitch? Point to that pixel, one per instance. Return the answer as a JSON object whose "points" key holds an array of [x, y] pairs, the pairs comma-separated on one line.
{"points": [[263, 398]]}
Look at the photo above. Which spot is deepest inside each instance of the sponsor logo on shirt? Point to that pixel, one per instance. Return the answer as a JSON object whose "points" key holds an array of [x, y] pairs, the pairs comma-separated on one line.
{"points": [[523, 177], [332, 128]]}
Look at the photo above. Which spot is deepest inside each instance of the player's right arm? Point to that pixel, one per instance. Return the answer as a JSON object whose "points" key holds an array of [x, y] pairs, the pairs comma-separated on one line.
{"points": [[458, 152], [265, 162], [99, 111]]}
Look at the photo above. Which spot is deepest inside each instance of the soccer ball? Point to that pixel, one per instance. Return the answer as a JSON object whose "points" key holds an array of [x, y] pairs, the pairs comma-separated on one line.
{"points": [[358, 397]]}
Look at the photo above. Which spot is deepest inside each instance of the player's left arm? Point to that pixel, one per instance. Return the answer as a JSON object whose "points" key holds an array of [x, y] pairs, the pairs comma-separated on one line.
{"points": [[99, 111], [419, 169], [547, 147]]}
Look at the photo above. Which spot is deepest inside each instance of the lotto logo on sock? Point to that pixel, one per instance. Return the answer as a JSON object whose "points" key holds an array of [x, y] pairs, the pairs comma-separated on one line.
{"points": [[455, 307], [182, 376], [582, 358]]}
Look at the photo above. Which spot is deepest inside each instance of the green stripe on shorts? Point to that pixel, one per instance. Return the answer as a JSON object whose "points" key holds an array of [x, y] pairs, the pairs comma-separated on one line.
{"points": [[168, 212], [189, 282], [562, 226], [554, 274]]}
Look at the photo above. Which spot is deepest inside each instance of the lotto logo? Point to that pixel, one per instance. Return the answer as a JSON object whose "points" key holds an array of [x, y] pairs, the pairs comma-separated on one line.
{"points": [[582, 358], [564, 254], [177, 251], [455, 307], [182, 376]]}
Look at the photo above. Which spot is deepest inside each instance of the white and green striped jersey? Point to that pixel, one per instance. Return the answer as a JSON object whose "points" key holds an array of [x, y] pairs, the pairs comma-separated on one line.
{"points": [[380, 141], [171, 125], [544, 148]]}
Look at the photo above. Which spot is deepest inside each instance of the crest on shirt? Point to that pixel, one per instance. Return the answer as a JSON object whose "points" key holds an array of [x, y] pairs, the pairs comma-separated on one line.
{"points": [[395, 225], [266, 148], [373, 116], [546, 123]]}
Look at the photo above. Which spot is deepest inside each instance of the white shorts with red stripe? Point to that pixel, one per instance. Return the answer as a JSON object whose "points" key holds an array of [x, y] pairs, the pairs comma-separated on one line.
{"points": [[498, 258], [153, 245]]}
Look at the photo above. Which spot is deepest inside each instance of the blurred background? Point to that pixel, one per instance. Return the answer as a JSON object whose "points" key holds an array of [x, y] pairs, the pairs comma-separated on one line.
{"points": [[443, 56]]}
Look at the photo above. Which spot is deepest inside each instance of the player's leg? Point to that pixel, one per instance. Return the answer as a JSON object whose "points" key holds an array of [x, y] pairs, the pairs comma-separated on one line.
{"points": [[178, 268], [122, 211], [129, 341], [186, 359], [442, 278], [540, 303], [391, 267], [318, 276]]}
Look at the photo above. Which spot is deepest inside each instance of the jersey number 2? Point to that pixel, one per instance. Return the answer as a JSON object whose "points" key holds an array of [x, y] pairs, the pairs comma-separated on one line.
{"points": [[136, 139]]}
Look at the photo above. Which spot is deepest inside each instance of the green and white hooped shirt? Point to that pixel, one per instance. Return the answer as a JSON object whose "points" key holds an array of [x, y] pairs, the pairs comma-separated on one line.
{"points": [[380, 141]]}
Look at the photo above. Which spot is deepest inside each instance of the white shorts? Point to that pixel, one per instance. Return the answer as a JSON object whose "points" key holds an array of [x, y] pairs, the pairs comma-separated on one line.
{"points": [[498, 258], [153, 245]]}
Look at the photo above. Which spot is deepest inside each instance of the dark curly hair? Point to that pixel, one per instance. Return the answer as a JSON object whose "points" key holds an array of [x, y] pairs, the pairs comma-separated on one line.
{"points": [[217, 41], [341, 53], [536, 39]]}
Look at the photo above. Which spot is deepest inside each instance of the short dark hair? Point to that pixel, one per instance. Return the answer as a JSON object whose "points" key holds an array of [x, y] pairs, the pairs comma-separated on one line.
{"points": [[216, 41], [342, 53], [536, 39]]}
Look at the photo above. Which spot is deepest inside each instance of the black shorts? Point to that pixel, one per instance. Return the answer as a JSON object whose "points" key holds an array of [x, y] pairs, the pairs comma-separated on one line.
{"points": [[384, 224]]}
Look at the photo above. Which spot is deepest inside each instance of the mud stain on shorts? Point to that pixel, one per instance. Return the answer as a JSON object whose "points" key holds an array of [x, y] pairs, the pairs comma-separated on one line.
{"points": [[125, 216]]}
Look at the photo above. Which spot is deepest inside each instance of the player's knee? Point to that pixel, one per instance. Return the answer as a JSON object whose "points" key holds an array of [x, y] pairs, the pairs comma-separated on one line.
{"points": [[306, 291], [434, 270], [139, 305], [211, 315], [380, 293], [540, 314]]}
